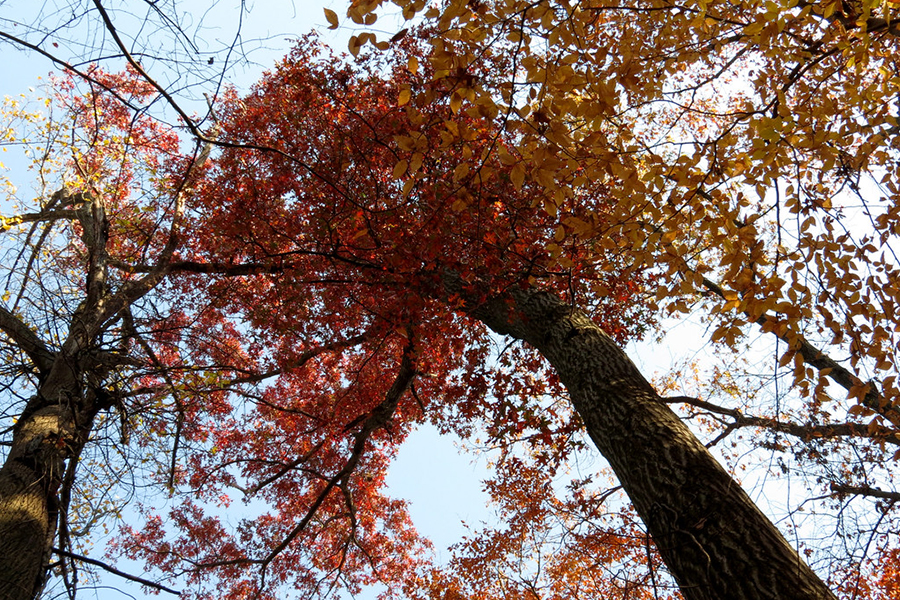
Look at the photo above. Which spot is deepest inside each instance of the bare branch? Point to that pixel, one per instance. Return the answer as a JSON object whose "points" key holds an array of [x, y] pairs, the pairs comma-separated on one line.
{"points": [[115, 571], [67, 66], [27, 341], [853, 490], [804, 432]]}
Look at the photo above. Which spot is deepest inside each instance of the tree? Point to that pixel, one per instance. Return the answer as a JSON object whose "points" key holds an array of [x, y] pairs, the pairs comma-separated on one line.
{"points": [[449, 234], [74, 325], [312, 196], [178, 361], [765, 132]]}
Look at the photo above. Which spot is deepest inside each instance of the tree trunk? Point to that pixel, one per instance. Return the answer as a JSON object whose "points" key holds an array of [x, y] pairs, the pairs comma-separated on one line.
{"points": [[53, 427], [29, 485], [55, 424], [716, 543]]}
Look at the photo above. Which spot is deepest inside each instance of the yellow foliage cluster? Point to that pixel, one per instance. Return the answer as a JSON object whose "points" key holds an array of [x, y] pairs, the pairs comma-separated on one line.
{"points": [[752, 148]]}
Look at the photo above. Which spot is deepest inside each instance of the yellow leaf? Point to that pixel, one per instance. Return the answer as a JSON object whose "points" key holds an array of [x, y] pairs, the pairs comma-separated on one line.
{"points": [[551, 208], [403, 100], [415, 163], [332, 18], [404, 141], [859, 409], [400, 169], [354, 45], [786, 358], [455, 103], [413, 65], [517, 176], [460, 171], [505, 157]]}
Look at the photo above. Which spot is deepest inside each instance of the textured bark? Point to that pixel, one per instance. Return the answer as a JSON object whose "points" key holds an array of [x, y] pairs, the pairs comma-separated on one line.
{"points": [[52, 429], [25, 510], [29, 484], [715, 541]]}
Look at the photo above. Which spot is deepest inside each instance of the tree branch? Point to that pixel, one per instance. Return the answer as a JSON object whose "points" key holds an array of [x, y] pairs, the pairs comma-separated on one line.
{"points": [[115, 571], [864, 490], [815, 357], [804, 432], [379, 417], [27, 341]]}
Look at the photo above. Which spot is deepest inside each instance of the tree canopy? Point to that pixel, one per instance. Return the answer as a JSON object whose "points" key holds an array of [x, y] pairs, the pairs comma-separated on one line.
{"points": [[263, 310]]}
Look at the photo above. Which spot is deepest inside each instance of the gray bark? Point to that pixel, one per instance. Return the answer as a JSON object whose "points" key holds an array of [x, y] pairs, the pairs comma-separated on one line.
{"points": [[714, 540]]}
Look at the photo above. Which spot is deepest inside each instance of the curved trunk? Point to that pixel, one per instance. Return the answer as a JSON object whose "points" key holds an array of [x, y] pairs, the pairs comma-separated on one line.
{"points": [[55, 424], [717, 544]]}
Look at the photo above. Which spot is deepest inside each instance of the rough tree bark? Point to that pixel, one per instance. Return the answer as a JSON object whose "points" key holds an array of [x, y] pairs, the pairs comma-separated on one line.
{"points": [[715, 541], [54, 428]]}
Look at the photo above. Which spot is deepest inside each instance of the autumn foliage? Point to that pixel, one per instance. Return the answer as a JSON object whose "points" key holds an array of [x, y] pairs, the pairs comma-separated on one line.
{"points": [[299, 291], [312, 325]]}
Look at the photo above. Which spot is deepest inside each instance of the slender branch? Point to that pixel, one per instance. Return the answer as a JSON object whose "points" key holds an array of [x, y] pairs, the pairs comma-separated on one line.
{"points": [[379, 417], [49, 215], [814, 357], [805, 432], [285, 469], [136, 65], [303, 359], [864, 490], [188, 266], [132, 290], [115, 571], [193, 127], [68, 67], [176, 397]]}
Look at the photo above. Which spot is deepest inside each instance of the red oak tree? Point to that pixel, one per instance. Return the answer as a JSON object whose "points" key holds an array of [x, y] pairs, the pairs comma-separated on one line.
{"points": [[352, 287]]}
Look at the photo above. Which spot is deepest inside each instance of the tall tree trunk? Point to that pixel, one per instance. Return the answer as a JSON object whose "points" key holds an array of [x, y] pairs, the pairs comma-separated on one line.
{"points": [[55, 424], [717, 544], [53, 428], [30, 479]]}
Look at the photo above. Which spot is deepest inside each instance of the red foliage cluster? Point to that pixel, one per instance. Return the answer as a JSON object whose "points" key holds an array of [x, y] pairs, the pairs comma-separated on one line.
{"points": [[338, 234]]}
